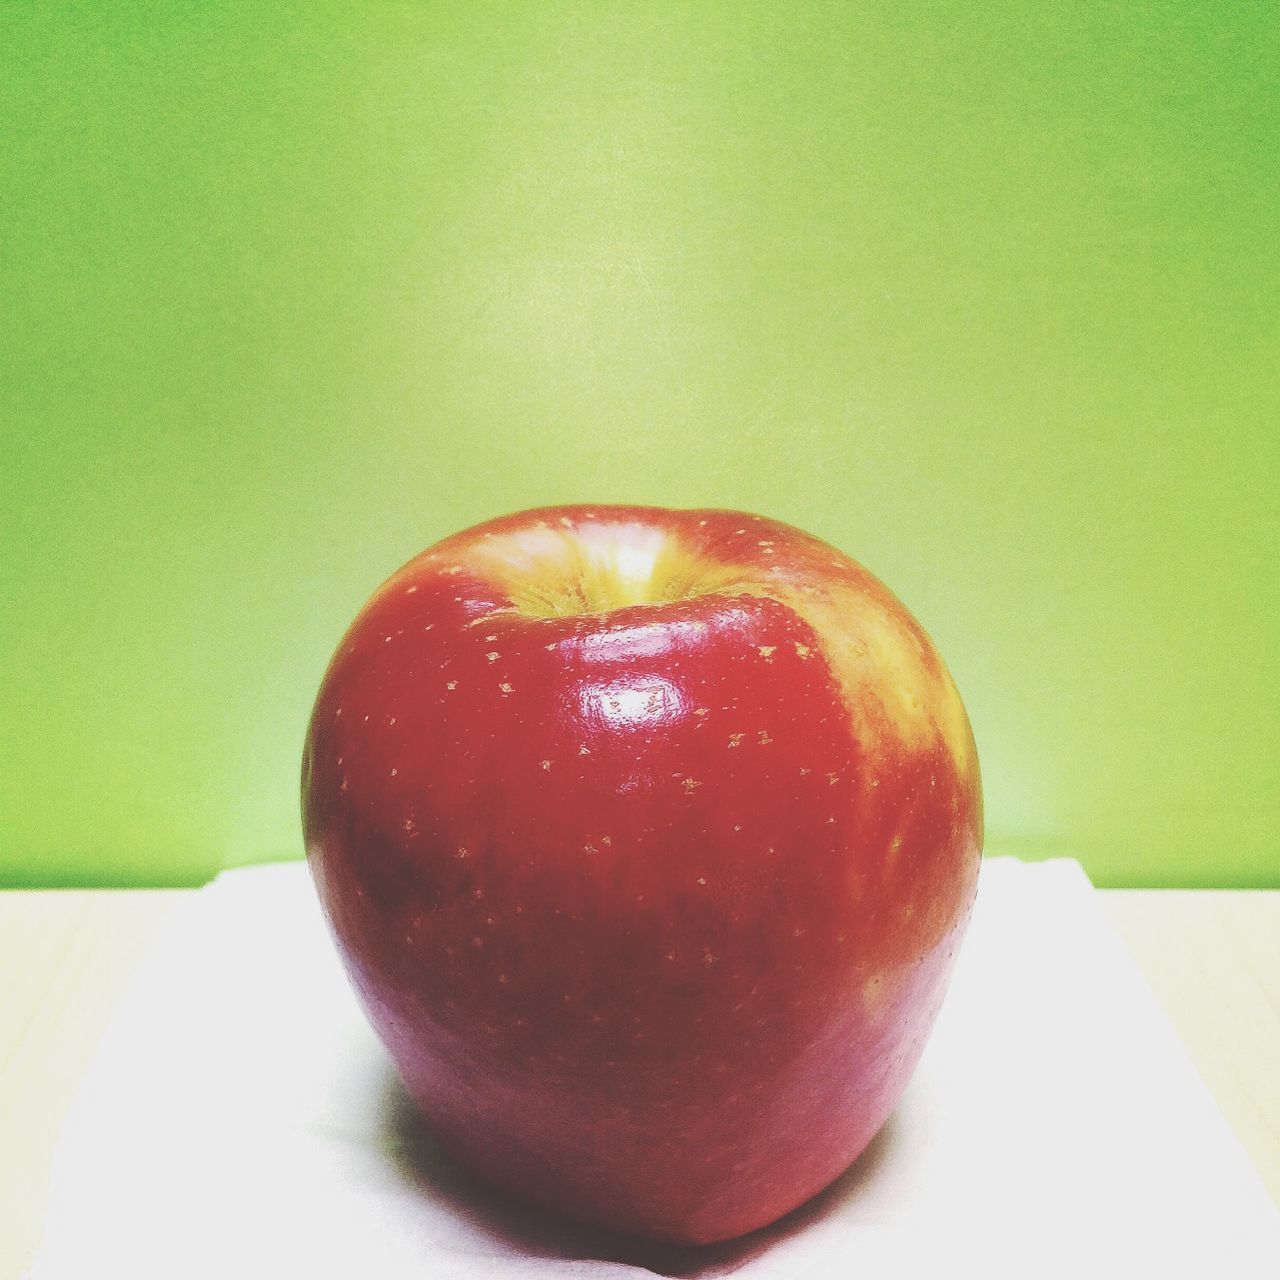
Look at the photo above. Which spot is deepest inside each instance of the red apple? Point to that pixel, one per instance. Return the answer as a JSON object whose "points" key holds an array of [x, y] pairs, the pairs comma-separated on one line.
{"points": [[647, 838]]}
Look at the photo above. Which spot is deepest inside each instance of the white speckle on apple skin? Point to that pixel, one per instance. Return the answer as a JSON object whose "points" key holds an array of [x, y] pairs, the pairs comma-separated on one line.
{"points": [[493, 656]]}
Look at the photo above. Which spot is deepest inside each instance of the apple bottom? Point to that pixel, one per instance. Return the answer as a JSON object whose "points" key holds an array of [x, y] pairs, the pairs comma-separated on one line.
{"points": [[666, 1185], [679, 1165]]}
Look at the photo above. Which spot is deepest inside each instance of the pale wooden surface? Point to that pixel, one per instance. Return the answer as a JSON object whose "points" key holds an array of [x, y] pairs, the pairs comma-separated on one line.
{"points": [[1212, 958], [65, 956]]}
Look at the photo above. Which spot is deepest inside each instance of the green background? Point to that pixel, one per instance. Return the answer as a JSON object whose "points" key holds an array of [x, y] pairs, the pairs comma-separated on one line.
{"points": [[986, 295]]}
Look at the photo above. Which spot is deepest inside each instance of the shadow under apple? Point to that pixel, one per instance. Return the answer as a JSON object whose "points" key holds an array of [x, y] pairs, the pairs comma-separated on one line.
{"points": [[523, 1229]]}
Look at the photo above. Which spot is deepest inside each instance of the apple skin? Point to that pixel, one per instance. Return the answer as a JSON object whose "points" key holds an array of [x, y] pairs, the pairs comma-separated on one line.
{"points": [[647, 838]]}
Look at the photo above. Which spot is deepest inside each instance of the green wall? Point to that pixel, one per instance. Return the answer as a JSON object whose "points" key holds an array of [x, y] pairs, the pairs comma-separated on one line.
{"points": [[984, 294]]}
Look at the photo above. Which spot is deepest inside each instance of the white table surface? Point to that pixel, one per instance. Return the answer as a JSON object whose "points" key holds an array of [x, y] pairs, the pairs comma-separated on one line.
{"points": [[1211, 957]]}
